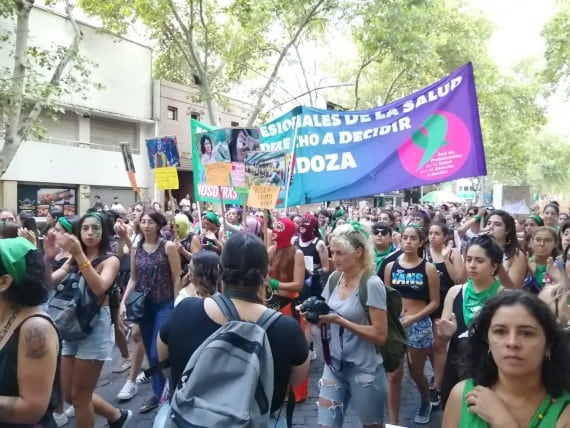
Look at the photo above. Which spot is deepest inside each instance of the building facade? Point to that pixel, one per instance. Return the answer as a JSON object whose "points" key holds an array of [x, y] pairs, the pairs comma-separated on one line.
{"points": [[174, 108], [81, 157]]}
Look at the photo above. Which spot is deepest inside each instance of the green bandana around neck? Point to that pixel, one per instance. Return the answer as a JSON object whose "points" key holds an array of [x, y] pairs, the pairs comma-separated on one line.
{"points": [[13, 255], [473, 301], [379, 256]]}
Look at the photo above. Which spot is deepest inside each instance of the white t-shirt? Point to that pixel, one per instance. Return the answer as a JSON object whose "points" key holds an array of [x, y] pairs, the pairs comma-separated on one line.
{"points": [[184, 204]]}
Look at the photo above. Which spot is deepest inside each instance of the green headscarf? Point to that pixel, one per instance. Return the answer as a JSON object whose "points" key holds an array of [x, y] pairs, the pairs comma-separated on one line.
{"points": [[213, 218], [13, 255], [65, 224]]}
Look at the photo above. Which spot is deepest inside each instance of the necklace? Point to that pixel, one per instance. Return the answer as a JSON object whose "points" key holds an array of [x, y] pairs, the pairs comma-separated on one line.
{"points": [[8, 324], [348, 281]]}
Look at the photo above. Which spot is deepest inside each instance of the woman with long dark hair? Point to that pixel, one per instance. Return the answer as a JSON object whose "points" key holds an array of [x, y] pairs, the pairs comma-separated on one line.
{"points": [[517, 368], [155, 271], [82, 360]]}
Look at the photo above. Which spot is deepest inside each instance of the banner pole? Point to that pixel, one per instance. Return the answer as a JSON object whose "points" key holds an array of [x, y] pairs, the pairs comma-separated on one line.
{"points": [[290, 168]]}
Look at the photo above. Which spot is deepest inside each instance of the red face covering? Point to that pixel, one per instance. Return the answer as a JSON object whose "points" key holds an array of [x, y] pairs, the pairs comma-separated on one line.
{"points": [[309, 222], [284, 229]]}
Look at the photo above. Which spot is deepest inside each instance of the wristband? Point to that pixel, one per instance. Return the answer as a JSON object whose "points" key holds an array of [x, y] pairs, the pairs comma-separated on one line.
{"points": [[477, 217], [274, 284], [85, 265]]}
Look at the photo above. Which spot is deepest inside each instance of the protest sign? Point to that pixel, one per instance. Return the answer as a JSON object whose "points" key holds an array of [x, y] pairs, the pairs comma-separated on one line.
{"points": [[166, 178], [162, 152], [218, 174], [263, 197], [238, 177], [429, 137]]}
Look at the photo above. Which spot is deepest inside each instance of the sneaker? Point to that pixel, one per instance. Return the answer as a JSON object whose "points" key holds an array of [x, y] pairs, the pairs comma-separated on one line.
{"points": [[123, 421], [70, 412], [150, 404], [312, 355], [60, 419], [423, 415], [434, 397], [141, 378], [128, 391], [125, 365]]}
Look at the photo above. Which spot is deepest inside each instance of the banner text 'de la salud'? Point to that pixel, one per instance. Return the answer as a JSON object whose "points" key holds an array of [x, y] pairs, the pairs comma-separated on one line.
{"points": [[431, 136]]}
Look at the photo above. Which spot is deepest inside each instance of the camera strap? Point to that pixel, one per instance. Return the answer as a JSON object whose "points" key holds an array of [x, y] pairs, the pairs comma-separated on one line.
{"points": [[325, 341]]}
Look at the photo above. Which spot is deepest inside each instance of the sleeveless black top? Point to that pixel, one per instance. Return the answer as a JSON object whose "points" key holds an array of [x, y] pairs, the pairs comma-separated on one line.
{"points": [[445, 281], [411, 283], [9, 378], [310, 250]]}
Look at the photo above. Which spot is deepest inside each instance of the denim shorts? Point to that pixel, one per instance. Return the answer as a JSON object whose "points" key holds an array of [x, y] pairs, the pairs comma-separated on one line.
{"points": [[98, 345], [366, 390], [420, 334]]}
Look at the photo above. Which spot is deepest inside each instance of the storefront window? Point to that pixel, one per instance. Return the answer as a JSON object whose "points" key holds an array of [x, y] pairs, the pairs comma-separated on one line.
{"points": [[39, 199]]}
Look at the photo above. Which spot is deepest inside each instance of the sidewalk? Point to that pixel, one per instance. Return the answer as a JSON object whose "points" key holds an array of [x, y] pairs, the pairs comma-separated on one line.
{"points": [[305, 413]]}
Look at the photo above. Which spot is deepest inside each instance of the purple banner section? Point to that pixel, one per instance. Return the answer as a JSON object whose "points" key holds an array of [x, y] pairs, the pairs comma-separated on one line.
{"points": [[434, 135]]}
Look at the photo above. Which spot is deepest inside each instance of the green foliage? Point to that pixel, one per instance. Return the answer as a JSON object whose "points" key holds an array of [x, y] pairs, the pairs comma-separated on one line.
{"points": [[406, 45], [549, 163], [557, 54], [215, 45]]}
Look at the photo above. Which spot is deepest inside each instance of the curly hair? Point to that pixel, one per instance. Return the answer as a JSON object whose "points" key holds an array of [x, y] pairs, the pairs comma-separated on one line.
{"points": [[481, 366], [512, 247], [350, 238], [205, 273]]}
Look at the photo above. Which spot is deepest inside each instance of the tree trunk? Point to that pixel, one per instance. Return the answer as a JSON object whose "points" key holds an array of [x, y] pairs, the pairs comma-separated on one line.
{"points": [[12, 139], [18, 128]]}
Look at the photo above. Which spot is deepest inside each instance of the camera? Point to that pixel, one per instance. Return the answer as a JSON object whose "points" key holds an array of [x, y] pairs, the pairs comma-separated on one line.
{"points": [[314, 307]]}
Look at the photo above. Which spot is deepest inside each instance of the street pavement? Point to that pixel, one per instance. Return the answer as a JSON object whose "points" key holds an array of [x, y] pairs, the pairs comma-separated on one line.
{"points": [[305, 413]]}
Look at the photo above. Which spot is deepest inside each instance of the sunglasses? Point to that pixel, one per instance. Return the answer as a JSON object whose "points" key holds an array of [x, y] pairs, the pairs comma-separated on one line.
{"points": [[382, 232]]}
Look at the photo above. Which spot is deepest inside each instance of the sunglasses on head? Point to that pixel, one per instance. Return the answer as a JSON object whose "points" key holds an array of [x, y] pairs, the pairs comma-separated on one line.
{"points": [[382, 232]]}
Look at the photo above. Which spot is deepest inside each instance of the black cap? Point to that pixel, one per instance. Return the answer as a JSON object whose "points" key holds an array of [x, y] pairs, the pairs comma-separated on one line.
{"points": [[381, 226]]}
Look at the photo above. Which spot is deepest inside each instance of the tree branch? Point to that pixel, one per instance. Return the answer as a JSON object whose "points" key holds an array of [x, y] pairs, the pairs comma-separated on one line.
{"points": [[71, 51], [359, 75], [189, 40], [304, 73], [205, 27], [386, 98], [258, 105]]}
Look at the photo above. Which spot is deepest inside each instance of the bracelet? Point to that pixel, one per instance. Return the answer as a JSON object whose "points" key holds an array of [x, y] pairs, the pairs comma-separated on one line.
{"points": [[274, 284], [85, 265], [477, 217]]}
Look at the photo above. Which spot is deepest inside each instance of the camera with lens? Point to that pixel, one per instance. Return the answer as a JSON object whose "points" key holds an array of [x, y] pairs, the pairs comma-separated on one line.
{"points": [[314, 307]]}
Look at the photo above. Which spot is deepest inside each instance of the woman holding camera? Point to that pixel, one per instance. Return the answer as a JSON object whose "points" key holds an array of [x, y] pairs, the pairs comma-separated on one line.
{"points": [[355, 371]]}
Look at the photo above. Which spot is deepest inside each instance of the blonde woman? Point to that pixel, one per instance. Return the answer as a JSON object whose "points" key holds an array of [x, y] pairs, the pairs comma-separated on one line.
{"points": [[355, 370]]}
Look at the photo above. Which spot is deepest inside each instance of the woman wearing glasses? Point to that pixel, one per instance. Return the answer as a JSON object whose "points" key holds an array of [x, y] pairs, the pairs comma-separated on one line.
{"points": [[382, 243]]}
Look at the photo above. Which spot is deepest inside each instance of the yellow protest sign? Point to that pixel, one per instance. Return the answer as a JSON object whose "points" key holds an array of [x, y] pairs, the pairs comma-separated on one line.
{"points": [[166, 178], [264, 197], [218, 173]]}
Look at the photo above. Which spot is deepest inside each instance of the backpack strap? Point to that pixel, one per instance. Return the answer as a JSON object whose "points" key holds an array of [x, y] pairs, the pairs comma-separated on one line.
{"points": [[227, 306], [268, 317], [363, 290], [334, 279]]}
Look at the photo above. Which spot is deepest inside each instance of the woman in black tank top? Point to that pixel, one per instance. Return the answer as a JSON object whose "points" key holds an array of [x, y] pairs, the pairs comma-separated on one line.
{"points": [[451, 270], [29, 343], [417, 282], [463, 302]]}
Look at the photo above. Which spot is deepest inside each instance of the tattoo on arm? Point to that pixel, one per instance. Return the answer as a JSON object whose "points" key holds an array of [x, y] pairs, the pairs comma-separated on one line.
{"points": [[7, 408], [35, 340]]}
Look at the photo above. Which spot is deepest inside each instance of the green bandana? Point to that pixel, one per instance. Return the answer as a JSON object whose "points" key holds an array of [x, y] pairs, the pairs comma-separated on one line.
{"points": [[473, 301], [536, 219], [65, 224], [358, 228], [379, 256], [12, 253], [213, 218], [96, 215]]}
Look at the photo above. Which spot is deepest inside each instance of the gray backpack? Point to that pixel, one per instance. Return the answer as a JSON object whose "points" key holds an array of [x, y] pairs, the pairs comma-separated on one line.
{"points": [[228, 381]]}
